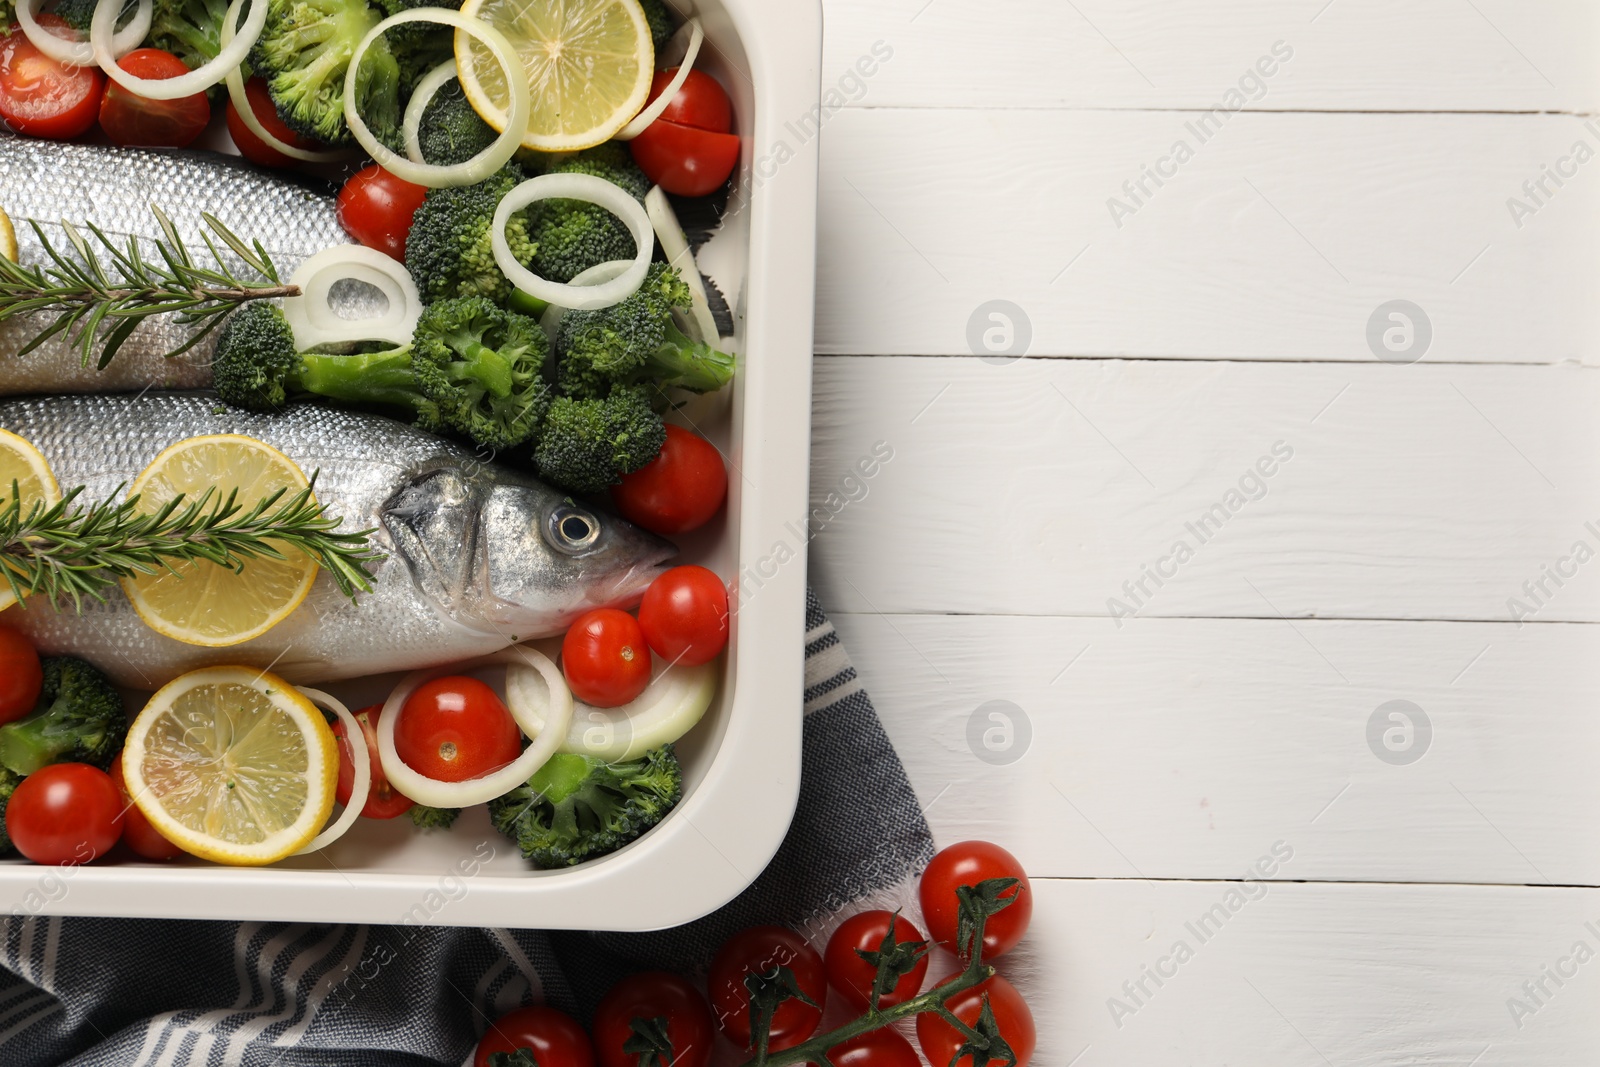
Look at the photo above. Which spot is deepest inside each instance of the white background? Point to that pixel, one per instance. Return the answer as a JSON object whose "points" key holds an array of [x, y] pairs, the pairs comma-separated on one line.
{"points": [[1229, 312]]}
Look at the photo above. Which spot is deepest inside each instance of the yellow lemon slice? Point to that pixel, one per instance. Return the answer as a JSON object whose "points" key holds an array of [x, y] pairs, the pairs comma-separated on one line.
{"points": [[8, 237], [203, 603], [23, 467], [589, 64], [233, 765]]}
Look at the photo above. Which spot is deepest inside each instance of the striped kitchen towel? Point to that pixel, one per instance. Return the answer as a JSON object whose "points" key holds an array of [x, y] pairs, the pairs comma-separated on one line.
{"points": [[143, 993]]}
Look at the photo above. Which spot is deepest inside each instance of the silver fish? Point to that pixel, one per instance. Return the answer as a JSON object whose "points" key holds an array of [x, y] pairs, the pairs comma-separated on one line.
{"points": [[114, 188], [479, 555]]}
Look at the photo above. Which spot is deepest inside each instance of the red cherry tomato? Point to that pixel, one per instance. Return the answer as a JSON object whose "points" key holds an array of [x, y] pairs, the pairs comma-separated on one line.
{"points": [[969, 863], [852, 976], [137, 833], [940, 1040], [679, 490], [701, 103], [605, 658], [131, 119], [683, 160], [375, 208], [555, 1038], [651, 995], [65, 814], [384, 801], [43, 98], [455, 728], [254, 148], [684, 615], [761, 950], [875, 1048], [21, 677]]}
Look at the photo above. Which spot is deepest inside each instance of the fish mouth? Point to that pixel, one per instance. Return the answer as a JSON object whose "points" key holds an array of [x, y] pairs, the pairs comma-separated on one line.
{"points": [[625, 588]]}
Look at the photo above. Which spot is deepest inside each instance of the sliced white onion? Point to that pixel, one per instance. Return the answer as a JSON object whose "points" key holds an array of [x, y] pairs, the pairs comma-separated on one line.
{"points": [[675, 245], [590, 189], [480, 166], [669, 707], [247, 113], [81, 53], [312, 317], [548, 730], [198, 80], [654, 109], [550, 321], [360, 789], [421, 97]]}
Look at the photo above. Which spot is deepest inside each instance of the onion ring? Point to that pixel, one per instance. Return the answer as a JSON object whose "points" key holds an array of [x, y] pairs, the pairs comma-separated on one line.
{"points": [[675, 246], [547, 732], [595, 191], [550, 321], [360, 789], [198, 80], [653, 110], [81, 53], [247, 114], [421, 97], [479, 166], [312, 319], [670, 706]]}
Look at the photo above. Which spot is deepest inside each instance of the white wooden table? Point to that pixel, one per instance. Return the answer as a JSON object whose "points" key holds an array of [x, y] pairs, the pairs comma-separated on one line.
{"points": [[1169, 716]]}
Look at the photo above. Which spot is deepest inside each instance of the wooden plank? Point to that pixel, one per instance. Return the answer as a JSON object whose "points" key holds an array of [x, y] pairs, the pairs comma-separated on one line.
{"points": [[1047, 487], [1178, 748], [1361, 55], [1311, 975], [1280, 238]]}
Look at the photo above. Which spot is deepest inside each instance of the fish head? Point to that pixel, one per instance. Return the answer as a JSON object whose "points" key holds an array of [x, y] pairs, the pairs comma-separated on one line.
{"points": [[499, 551]]}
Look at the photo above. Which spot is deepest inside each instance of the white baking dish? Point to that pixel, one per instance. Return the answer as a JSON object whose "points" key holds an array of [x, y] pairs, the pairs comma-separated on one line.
{"points": [[742, 763]]}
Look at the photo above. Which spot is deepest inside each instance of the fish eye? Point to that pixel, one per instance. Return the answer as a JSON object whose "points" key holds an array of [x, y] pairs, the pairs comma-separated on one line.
{"points": [[571, 529]]}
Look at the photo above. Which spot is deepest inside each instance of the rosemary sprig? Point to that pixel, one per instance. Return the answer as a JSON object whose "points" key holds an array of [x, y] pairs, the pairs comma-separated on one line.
{"points": [[98, 292], [71, 550]]}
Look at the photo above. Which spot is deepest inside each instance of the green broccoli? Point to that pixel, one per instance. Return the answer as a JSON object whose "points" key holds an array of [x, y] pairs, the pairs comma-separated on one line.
{"points": [[661, 22], [426, 818], [189, 29], [587, 444], [448, 250], [484, 368], [79, 13], [304, 52], [451, 132], [572, 235], [412, 34], [8, 785], [636, 342], [79, 719], [579, 807]]}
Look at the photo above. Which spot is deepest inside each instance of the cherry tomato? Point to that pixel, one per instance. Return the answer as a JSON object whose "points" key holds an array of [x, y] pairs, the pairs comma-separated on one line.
{"points": [[940, 1040], [384, 801], [679, 490], [969, 863], [852, 976], [761, 950], [254, 148], [651, 995], [875, 1048], [131, 119], [375, 208], [555, 1038], [684, 615], [137, 833], [455, 728], [688, 150], [65, 814], [21, 677], [41, 97], [605, 658]]}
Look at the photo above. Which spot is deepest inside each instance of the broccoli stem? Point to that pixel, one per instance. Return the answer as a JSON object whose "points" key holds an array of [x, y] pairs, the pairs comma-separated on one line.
{"points": [[28, 744], [372, 378], [524, 304], [482, 364], [689, 364]]}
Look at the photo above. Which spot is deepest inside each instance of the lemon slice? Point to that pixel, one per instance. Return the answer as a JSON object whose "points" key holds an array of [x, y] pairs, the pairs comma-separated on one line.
{"points": [[8, 237], [23, 466], [201, 603], [589, 64], [233, 765]]}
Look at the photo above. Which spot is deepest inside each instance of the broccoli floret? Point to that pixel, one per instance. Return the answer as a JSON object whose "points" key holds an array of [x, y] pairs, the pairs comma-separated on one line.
{"points": [[411, 34], [579, 807], [448, 250], [79, 719], [78, 13], [189, 29], [426, 818], [8, 785], [451, 132], [572, 235], [661, 22], [636, 342], [483, 367], [587, 444], [304, 52]]}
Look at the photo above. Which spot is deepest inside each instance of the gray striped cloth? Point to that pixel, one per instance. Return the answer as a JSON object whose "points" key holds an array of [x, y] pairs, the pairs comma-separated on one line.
{"points": [[170, 993]]}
